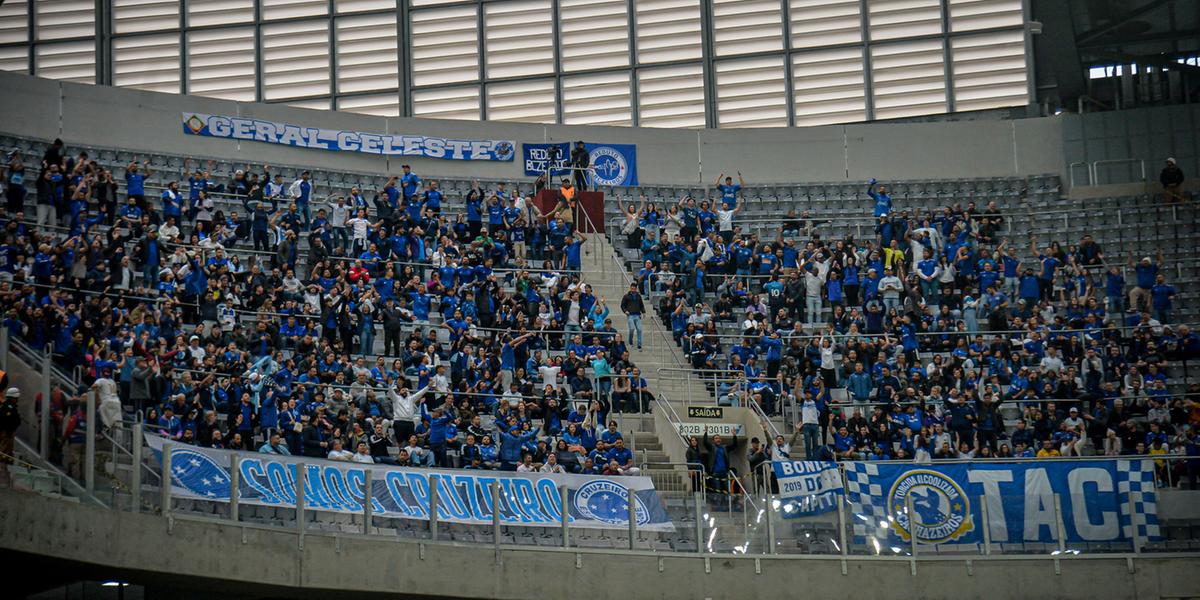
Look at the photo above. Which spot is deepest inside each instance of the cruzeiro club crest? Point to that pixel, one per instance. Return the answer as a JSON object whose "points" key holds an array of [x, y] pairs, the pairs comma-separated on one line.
{"points": [[603, 500], [503, 150], [199, 474], [941, 511], [610, 166], [195, 124]]}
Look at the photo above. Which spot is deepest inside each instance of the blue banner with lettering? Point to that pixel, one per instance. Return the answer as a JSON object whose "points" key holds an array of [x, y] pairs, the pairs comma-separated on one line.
{"points": [[807, 487], [464, 496], [1099, 501], [613, 164], [388, 144]]}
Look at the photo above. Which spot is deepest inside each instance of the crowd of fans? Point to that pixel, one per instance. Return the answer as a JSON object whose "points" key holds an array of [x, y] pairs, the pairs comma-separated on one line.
{"points": [[935, 339], [375, 325], [915, 344]]}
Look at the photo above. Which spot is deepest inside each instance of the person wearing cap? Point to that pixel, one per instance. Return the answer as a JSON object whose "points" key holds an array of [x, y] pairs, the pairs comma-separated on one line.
{"points": [[1147, 273], [581, 160], [10, 421], [1171, 178]]}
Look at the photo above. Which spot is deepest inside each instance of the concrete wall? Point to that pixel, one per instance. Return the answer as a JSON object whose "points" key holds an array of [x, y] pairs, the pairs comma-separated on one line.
{"points": [[1147, 134], [141, 548], [107, 116]]}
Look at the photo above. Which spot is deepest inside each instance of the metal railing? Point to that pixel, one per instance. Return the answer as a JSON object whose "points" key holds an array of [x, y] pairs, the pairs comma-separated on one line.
{"points": [[1095, 168]]}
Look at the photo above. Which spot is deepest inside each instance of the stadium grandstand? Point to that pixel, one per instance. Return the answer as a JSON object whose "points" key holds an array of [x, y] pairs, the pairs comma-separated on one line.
{"points": [[637, 298]]}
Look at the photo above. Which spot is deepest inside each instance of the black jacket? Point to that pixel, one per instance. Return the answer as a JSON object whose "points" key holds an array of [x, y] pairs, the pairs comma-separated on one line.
{"points": [[631, 304]]}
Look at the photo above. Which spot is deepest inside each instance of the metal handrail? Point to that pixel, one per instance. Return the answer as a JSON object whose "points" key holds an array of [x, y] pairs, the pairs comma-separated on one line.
{"points": [[664, 403], [766, 420], [15, 460], [1087, 169], [1095, 174], [118, 447]]}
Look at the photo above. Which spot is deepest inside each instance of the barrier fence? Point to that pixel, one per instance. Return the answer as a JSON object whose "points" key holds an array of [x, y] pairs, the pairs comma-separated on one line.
{"points": [[748, 515], [745, 514]]}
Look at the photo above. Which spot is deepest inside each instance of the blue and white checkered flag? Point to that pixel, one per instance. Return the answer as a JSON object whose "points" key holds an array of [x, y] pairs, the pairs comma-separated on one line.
{"points": [[868, 504], [1137, 494]]}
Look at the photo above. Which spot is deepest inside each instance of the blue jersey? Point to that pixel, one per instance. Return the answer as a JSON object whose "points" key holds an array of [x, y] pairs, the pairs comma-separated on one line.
{"points": [[729, 194], [883, 202], [135, 183], [433, 199], [410, 182], [572, 251]]}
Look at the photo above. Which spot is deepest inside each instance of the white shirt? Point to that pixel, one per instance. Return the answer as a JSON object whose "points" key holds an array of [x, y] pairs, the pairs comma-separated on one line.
{"points": [[1052, 363], [341, 455], [359, 226], [890, 286], [363, 458], [725, 220], [109, 407], [404, 408], [549, 375], [338, 214], [827, 357], [809, 415]]}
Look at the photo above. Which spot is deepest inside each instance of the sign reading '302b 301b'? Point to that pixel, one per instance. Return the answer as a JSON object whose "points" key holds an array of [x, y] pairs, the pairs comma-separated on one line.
{"points": [[699, 429]]}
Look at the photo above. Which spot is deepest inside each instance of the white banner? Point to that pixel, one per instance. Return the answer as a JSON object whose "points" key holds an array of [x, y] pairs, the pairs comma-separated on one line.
{"points": [[464, 496], [272, 132], [807, 487]]}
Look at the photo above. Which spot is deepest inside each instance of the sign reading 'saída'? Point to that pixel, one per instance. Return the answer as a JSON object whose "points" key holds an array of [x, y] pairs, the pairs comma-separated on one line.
{"points": [[705, 412]]}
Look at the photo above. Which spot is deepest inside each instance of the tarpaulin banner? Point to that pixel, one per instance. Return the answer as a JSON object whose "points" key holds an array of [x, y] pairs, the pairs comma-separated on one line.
{"points": [[1099, 501], [807, 487], [464, 496], [272, 132], [614, 164]]}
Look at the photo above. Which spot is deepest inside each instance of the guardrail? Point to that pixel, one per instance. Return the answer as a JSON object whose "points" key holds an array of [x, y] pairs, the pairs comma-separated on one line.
{"points": [[1093, 169]]}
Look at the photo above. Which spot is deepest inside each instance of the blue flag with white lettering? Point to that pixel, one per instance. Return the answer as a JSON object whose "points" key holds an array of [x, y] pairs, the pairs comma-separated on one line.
{"points": [[1080, 501], [527, 499]]}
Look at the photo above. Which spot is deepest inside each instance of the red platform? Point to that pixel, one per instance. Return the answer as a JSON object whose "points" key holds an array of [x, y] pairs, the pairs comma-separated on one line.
{"points": [[591, 203]]}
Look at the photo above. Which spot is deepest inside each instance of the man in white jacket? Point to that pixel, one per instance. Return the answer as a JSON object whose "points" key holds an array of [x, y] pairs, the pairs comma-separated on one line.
{"points": [[108, 401], [405, 411], [301, 192]]}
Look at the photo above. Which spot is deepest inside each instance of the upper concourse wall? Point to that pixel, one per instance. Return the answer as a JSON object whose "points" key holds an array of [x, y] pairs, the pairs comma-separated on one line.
{"points": [[210, 558], [150, 121]]}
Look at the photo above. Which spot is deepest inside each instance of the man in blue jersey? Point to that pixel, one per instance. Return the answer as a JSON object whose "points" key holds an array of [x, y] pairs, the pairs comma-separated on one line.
{"points": [[572, 252], [729, 190], [883, 202], [1147, 271], [135, 183], [409, 182], [172, 202]]}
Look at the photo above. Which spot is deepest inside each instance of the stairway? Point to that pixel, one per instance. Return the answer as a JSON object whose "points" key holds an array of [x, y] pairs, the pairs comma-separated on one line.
{"points": [[604, 271]]}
